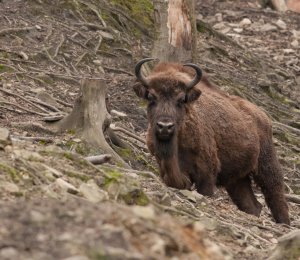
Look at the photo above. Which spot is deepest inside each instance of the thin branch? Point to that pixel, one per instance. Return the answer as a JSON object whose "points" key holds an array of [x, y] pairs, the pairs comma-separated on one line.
{"points": [[99, 159], [62, 40], [24, 99], [56, 62], [133, 135], [13, 30]]}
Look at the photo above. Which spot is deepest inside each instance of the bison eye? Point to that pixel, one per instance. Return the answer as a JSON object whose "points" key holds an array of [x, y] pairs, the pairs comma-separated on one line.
{"points": [[181, 100], [151, 98]]}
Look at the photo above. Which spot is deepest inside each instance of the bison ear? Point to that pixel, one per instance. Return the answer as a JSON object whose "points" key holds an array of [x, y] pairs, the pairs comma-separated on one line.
{"points": [[140, 90], [193, 94]]}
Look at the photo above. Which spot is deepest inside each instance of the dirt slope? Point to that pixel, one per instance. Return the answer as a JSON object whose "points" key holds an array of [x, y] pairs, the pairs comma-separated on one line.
{"points": [[56, 205]]}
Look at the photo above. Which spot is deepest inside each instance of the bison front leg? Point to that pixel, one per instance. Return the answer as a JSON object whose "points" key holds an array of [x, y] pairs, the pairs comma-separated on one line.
{"points": [[243, 196]]}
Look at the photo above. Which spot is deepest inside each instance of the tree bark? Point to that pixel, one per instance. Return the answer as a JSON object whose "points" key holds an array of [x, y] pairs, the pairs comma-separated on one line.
{"points": [[175, 29], [90, 119]]}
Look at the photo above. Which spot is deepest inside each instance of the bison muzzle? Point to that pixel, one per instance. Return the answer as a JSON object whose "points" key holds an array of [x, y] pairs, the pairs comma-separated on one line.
{"points": [[200, 135]]}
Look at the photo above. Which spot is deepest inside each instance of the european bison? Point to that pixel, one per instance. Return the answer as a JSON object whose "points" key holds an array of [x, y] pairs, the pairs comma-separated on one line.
{"points": [[214, 140]]}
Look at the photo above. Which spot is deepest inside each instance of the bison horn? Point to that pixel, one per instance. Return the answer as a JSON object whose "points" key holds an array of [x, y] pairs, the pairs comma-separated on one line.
{"points": [[198, 76], [138, 72]]}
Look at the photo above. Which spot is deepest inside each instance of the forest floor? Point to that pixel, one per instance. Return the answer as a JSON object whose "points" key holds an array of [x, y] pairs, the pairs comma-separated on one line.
{"points": [[56, 205]]}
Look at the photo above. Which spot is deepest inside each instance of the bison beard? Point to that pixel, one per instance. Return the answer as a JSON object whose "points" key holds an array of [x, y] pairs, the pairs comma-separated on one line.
{"points": [[167, 155], [216, 139]]}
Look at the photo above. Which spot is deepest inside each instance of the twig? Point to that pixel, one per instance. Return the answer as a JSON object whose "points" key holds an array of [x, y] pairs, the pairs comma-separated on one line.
{"points": [[13, 30], [34, 139], [295, 130], [95, 11], [50, 107], [93, 26], [62, 40], [53, 118], [63, 102], [133, 135], [22, 108], [33, 126], [79, 59], [293, 198], [99, 159], [118, 71], [98, 44], [56, 62], [12, 110], [24, 99]]}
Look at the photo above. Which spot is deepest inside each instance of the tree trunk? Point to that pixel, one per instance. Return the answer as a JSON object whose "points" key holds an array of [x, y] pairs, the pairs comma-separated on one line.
{"points": [[90, 118], [176, 30]]}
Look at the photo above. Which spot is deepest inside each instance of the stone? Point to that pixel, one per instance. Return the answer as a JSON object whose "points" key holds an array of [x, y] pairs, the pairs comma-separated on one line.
{"points": [[92, 192], [28, 155], [4, 137], [189, 195], [281, 24], [219, 26], [238, 30], [268, 27], [245, 22], [295, 43], [144, 212], [219, 17], [97, 62], [66, 186], [288, 247], [8, 253], [9, 187], [77, 257]]}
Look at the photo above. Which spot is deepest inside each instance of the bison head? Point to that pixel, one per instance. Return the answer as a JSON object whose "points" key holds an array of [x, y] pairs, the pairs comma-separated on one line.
{"points": [[169, 90]]}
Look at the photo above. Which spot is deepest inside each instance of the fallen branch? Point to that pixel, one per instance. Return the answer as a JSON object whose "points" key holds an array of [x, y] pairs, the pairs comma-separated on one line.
{"points": [[118, 70], [13, 30], [62, 40], [22, 98], [293, 198], [22, 108], [99, 159], [56, 62], [133, 135], [34, 139]]}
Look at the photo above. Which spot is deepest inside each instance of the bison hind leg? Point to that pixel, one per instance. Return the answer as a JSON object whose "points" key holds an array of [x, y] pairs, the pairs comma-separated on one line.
{"points": [[243, 196], [270, 180]]}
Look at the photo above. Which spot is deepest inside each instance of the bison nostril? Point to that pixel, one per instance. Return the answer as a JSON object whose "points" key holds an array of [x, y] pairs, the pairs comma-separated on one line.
{"points": [[165, 126], [170, 126]]}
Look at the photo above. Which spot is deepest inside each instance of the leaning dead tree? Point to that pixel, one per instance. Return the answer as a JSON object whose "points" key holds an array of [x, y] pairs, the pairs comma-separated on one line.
{"points": [[175, 29], [90, 119]]}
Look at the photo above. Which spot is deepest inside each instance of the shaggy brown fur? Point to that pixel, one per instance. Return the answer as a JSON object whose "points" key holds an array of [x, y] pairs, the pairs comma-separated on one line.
{"points": [[218, 140]]}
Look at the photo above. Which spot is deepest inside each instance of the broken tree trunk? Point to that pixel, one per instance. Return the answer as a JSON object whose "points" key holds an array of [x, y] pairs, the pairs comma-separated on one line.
{"points": [[90, 119], [176, 30]]}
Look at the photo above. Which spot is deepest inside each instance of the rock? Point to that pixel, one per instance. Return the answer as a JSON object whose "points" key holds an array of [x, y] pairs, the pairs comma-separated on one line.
{"points": [[77, 257], [219, 17], [38, 27], [4, 137], [295, 43], [66, 186], [9, 187], [209, 223], [97, 62], [219, 26], [28, 155], [288, 247], [245, 22], [144, 212], [189, 195], [238, 30], [268, 27], [296, 34], [281, 24], [92, 192], [8, 253]]}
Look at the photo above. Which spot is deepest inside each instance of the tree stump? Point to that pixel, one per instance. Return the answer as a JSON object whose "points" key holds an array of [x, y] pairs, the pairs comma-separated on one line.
{"points": [[175, 29], [89, 117]]}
